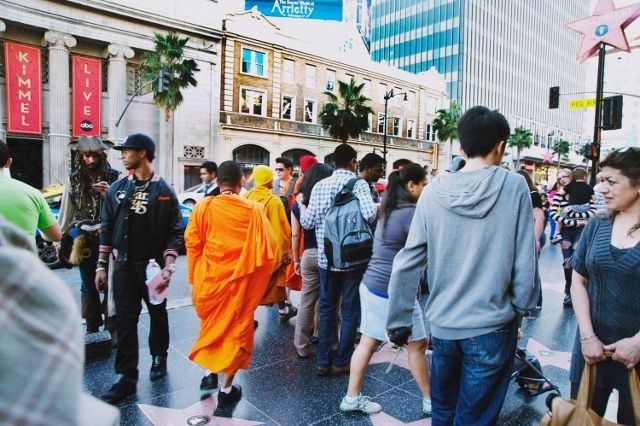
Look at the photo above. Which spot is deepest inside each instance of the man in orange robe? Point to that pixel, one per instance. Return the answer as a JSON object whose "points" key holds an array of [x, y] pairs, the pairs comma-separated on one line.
{"points": [[276, 213], [231, 250]]}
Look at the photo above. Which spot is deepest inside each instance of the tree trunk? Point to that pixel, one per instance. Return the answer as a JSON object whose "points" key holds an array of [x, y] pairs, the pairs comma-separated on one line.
{"points": [[518, 159], [449, 153], [164, 150]]}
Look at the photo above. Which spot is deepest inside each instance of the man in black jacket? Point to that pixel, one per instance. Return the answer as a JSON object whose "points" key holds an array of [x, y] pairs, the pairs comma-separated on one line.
{"points": [[141, 220]]}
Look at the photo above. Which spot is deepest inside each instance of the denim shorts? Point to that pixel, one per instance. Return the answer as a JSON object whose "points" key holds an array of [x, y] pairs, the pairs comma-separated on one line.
{"points": [[373, 317]]}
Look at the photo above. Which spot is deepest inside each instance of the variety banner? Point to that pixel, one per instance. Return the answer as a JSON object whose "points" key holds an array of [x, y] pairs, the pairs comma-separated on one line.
{"points": [[86, 96], [304, 9], [24, 88]]}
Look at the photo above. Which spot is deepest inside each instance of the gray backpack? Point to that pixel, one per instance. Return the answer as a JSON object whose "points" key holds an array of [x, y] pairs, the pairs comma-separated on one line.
{"points": [[348, 241]]}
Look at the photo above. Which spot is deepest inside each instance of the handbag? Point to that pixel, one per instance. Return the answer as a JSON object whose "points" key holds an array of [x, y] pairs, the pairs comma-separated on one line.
{"points": [[578, 412]]}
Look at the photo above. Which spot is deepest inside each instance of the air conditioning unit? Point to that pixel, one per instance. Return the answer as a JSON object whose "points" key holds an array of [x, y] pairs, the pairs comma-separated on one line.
{"points": [[330, 85]]}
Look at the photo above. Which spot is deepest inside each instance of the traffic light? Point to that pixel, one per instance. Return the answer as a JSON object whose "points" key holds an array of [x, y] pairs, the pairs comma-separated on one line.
{"points": [[554, 97], [163, 81], [612, 113], [591, 151]]}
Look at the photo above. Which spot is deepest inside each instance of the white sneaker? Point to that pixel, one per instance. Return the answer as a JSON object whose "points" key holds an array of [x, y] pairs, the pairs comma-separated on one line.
{"points": [[363, 403], [426, 406]]}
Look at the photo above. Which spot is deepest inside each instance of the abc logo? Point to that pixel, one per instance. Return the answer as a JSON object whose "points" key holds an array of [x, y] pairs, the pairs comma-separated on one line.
{"points": [[86, 125]]}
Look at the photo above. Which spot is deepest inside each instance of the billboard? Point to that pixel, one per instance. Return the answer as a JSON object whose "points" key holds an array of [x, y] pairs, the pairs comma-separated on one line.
{"points": [[24, 88], [304, 9]]}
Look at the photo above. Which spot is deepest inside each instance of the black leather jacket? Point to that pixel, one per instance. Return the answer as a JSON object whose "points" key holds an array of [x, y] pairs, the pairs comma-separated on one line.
{"points": [[165, 219]]}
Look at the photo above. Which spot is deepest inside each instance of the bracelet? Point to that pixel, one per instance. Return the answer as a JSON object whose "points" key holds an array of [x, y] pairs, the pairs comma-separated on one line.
{"points": [[102, 263], [101, 269], [171, 268], [588, 338]]}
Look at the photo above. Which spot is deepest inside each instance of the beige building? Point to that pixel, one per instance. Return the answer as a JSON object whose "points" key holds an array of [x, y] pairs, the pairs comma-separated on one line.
{"points": [[274, 75], [117, 33]]}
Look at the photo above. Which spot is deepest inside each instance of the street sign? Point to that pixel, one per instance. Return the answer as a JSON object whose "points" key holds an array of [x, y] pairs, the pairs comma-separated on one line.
{"points": [[582, 103]]}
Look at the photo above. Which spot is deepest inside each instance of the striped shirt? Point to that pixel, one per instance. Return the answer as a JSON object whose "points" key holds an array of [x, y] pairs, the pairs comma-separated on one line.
{"points": [[321, 200], [559, 203]]}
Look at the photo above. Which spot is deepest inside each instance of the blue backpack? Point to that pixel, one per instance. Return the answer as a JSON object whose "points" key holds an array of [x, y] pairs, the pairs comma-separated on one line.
{"points": [[348, 241]]}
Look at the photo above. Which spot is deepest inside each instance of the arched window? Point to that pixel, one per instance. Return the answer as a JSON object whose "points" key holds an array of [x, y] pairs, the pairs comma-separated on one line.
{"points": [[294, 155], [250, 156]]}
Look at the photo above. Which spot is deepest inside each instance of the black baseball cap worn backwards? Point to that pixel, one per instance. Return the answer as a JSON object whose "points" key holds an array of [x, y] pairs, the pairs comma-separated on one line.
{"points": [[138, 141]]}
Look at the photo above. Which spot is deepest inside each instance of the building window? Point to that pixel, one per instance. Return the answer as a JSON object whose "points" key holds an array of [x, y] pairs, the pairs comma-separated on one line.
{"points": [[288, 107], [309, 111], [288, 73], [397, 100], [134, 80], [310, 77], [193, 151], [253, 102], [397, 126], [331, 80], [349, 77], [366, 89], [254, 62], [432, 104], [382, 90], [411, 100], [430, 133], [381, 122], [370, 121], [410, 126]]}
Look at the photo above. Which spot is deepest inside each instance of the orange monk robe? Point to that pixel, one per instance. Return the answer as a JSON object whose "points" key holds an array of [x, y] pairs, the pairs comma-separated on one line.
{"points": [[231, 250], [274, 209]]}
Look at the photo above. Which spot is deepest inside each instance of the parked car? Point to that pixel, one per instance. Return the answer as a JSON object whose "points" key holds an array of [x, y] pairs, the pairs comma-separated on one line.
{"points": [[192, 195], [46, 250]]}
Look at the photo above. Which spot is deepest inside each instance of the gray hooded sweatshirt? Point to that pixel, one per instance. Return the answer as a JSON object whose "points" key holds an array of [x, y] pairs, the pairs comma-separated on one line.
{"points": [[475, 232]]}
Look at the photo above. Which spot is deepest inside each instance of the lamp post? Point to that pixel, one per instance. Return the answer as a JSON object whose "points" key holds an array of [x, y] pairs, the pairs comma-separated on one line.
{"points": [[388, 96]]}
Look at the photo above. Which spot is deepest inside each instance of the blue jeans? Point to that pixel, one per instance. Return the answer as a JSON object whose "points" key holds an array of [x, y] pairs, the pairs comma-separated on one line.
{"points": [[334, 284], [470, 377]]}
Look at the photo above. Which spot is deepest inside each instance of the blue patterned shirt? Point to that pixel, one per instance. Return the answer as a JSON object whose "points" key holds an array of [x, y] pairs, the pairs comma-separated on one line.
{"points": [[321, 200]]}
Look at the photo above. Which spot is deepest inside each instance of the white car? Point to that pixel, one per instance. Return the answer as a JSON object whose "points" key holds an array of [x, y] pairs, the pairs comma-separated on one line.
{"points": [[192, 195]]}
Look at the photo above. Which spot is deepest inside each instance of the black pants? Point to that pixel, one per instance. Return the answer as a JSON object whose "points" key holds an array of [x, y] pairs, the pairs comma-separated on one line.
{"points": [[129, 289], [600, 399]]}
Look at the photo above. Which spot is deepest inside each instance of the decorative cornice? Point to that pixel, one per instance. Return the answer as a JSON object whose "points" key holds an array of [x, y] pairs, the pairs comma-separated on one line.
{"points": [[59, 40], [3, 27], [118, 51]]}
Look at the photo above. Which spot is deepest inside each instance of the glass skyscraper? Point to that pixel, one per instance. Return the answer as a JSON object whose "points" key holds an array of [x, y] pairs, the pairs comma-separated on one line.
{"points": [[501, 53]]}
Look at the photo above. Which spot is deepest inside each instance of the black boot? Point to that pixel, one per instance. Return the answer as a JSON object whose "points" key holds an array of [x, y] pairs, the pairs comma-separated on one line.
{"points": [[91, 311], [158, 367], [122, 389]]}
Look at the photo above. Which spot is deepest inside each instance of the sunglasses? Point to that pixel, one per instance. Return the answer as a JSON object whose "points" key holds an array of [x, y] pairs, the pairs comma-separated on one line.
{"points": [[279, 169], [625, 149]]}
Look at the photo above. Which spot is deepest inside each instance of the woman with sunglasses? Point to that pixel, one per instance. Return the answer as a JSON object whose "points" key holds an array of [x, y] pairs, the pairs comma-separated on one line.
{"points": [[606, 287]]}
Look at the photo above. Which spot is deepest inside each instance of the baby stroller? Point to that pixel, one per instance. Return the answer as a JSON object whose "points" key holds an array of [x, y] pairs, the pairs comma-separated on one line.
{"points": [[528, 374]]}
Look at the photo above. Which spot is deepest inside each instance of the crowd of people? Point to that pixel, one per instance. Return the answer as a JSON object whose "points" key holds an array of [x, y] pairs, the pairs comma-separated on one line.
{"points": [[472, 238]]}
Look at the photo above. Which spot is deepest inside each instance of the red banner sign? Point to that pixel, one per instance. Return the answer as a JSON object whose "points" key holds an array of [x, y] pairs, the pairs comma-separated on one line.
{"points": [[87, 91], [24, 88]]}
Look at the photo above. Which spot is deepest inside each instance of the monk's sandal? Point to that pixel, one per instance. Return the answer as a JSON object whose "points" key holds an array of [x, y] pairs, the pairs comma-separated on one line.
{"points": [[361, 403]]}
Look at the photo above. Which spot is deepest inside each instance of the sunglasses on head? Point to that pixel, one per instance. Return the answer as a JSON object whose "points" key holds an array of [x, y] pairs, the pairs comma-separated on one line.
{"points": [[625, 149]]}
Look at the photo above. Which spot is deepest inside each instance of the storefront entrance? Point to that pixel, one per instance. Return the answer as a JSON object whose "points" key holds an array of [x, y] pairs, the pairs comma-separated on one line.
{"points": [[27, 160]]}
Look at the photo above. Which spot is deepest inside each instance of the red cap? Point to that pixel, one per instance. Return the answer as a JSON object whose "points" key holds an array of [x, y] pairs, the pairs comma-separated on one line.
{"points": [[307, 161]]}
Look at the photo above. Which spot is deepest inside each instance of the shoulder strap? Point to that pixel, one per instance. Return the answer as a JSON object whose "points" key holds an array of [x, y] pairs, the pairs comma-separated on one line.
{"points": [[276, 187], [292, 185], [351, 184]]}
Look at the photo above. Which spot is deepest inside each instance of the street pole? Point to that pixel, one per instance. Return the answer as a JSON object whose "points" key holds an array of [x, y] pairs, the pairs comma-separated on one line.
{"points": [[384, 136], [597, 126]]}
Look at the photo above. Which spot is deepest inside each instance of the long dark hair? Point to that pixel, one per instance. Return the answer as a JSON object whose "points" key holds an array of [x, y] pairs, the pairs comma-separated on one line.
{"points": [[526, 176], [627, 161], [315, 174], [395, 187]]}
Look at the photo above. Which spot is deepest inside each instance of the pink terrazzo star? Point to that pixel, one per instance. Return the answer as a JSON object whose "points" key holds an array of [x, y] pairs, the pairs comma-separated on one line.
{"points": [[549, 357], [161, 416], [606, 25], [386, 355], [383, 419]]}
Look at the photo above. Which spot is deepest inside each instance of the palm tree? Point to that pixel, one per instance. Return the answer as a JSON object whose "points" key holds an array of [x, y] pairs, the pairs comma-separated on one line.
{"points": [[446, 126], [561, 147], [348, 116], [168, 55], [521, 139]]}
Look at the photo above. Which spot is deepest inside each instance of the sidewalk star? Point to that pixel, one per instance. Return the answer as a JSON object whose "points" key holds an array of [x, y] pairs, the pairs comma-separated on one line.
{"points": [[161, 416], [547, 356], [606, 25], [385, 354], [383, 419]]}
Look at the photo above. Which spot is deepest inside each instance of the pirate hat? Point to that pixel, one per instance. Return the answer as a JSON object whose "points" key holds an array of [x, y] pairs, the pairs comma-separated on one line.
{"points": [[90, 144]]}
